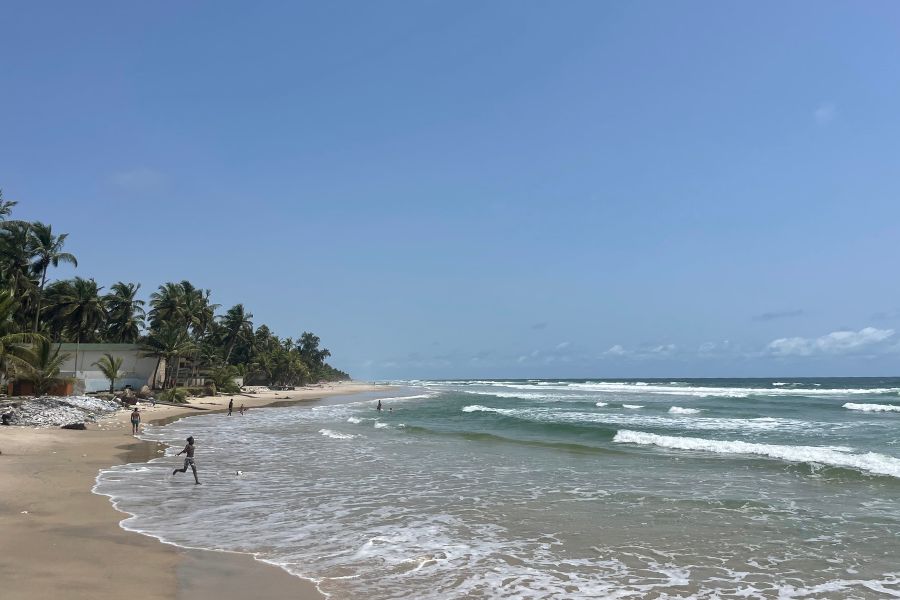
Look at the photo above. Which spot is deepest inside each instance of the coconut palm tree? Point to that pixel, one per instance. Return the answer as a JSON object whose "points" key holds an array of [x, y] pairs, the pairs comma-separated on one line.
{"points": [[125, 313], [47, 250], [169, 342], [42, 369], [79, 309], [168, 305], [15, 350], [6, 207], [110, 366], [237, 325], [16, 257]]}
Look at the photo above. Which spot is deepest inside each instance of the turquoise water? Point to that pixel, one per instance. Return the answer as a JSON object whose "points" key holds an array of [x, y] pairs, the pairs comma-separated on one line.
{"points": [[550, 489]]}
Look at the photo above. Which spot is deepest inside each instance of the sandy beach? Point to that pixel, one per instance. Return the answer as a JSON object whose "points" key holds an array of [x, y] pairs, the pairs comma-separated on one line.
{"points": [[61, 540]]}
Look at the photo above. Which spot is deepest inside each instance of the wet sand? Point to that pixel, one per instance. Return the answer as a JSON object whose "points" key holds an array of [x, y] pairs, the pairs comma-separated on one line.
{"points": [[59, 540]]}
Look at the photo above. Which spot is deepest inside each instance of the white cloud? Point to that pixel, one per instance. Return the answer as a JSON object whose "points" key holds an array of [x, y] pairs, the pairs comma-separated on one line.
{"points": [[141, 179], [825, 114], [836, 342], [616, 350], [663, 349], [563, 345]]}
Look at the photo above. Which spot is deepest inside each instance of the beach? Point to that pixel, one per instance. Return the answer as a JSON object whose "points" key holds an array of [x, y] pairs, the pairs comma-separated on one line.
{"points": [[62, 540]]}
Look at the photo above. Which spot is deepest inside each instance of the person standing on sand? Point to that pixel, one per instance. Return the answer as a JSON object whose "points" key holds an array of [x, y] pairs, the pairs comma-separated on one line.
{"points": [[189, 460], [135, 421], [230, 405]]}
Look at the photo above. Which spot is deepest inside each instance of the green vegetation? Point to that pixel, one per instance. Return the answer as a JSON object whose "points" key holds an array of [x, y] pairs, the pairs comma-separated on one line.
{"points": [[43, 366], [182, 327], [111, 368]]}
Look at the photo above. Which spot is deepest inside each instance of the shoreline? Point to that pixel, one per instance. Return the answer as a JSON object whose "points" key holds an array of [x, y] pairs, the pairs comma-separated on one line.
{"points": [[58, 534]]}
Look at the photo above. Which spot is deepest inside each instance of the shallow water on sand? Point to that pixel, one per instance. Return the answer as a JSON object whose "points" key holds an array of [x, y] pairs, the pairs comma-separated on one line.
{"points": [[550, 489]]}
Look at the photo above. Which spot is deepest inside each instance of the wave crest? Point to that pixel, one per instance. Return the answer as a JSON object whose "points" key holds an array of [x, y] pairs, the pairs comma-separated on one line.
{"points": [[677, 410], [872, 407], [869, 462]]}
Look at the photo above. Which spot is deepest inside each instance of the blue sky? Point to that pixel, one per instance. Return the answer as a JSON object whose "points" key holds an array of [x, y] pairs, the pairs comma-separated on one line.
{"points": [[469, 189]]}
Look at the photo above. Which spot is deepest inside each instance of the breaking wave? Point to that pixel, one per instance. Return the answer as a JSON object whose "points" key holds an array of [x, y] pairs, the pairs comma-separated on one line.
{"points": [[872, 407], [869, 462]]}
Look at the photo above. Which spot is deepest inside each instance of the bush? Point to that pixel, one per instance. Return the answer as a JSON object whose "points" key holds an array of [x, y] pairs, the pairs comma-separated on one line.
{"points": [[229, 387], [177, 395]]}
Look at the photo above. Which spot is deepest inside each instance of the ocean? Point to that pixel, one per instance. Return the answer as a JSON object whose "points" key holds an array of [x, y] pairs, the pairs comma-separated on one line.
{"points": [[521, 489]]}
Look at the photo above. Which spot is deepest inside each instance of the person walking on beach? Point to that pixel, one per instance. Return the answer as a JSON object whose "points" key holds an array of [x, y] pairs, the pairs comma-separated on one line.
{"points": [[189, 460], [230, 405], [135, 421], [241, 409]]}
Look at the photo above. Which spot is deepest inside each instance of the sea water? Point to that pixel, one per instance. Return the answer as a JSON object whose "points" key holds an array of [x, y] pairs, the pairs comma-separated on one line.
{"points": [[548, 489]]}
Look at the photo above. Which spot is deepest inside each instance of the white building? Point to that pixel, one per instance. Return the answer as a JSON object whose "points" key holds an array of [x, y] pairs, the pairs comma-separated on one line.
{"points": [[137, 370]]}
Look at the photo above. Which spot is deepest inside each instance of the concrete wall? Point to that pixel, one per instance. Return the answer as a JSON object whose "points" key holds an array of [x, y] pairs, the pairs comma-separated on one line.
{"points": [[137, 370]]}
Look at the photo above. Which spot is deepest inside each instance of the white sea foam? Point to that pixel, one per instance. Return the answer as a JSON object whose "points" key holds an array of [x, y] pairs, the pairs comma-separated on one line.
{"points": [[632, 406], [676, 389], [500, 411], [872, 407], [380, 425], [354, 420], [869, 462], [677, 410], [336, 435], [601, 404], [548, 415]]}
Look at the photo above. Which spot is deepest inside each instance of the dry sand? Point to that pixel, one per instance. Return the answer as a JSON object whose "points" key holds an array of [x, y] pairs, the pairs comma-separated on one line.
{"points": [[59, 540]]}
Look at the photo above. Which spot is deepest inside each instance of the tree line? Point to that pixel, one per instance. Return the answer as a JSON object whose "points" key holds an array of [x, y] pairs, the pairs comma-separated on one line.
{"points": [[179, 325]]}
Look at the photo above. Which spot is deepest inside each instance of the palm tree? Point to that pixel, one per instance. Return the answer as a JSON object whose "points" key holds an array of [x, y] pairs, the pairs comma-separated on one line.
{"points": [[110, 366], [6, 207], [199, 315], [47, 250], [14, 350], [169, 342], [168, 305], [125, 313], [16, 257], [237, 326], [79, 308], [43, 367]]}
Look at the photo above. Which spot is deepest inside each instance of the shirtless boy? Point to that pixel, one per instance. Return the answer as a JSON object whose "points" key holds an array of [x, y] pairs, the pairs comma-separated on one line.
{"points": [[189, 459]]}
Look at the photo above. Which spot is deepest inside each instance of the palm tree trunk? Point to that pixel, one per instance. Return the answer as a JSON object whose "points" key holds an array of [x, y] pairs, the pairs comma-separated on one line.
{"points": [[156, 371], [40, 298], [230, 349]]}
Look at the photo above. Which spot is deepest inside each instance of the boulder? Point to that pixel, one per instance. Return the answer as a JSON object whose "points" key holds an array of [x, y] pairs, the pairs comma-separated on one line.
{"points": [[74, 426], [145, 392]]}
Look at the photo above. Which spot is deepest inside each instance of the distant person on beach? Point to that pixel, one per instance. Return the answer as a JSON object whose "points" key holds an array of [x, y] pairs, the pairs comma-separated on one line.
{"points": [[378, 408], [241, 409], [189, 459], [230, 406], [135, 421]]}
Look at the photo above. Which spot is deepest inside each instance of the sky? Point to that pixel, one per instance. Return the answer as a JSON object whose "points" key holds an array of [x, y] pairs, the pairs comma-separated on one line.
{"points": [[482, 189]]}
